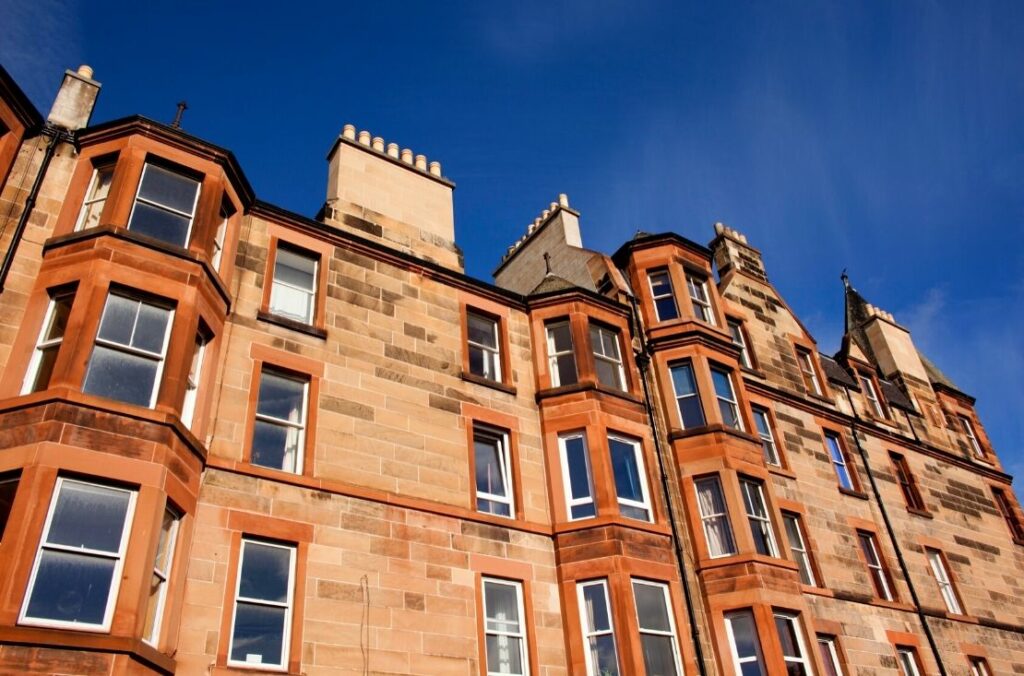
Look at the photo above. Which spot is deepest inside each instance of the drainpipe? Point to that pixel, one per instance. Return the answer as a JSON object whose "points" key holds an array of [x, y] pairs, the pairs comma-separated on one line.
{"points": [[643, 360], [892, 537]]}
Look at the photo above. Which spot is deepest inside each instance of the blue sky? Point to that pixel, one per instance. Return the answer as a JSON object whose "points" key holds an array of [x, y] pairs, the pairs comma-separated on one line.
{"points": [[885, 138]]}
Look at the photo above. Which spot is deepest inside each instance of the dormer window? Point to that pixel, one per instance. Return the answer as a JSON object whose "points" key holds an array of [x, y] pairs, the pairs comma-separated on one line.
{"points": [[867, 385], [165, 205], [739, 339], [95, 197], [698, 287], [972, 438], [807, 370]]}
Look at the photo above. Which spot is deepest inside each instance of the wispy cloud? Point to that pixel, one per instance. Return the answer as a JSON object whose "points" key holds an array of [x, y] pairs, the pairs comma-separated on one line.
{"points": [[40, 40]]}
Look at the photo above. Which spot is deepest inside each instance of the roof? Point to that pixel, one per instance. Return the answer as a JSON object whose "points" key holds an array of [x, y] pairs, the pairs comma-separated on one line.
{"points": [[895, 396], [835, 372], [644, 239], [937, 377], [552, 283]]}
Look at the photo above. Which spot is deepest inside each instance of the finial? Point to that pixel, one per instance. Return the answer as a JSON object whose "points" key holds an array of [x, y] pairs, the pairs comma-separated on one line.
{"points": [[846, 279], [547, 263], [182, 107]]}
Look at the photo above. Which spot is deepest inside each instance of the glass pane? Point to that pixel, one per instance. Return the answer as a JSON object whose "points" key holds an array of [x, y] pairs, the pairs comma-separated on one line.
{"points": [[602, 652], [281, 397], [723, 384], [786, 627], [7, 490], [118, 319], [682, 380], [753, 500], [489, 471], [667, 309], [265, 572], [504, 655], [691, 413], [89, 516], [608, 373], [168, 188], [295, 269], [163, 545], [47, 358], [275, 446], [59, 318], [650, 607], [825, 648], [71, 587], [627, 473], [481, 331], [151, 328], [730, 415], [659, 657], [259, 634], [502, 607], [660, 284], [161, 224], [560, 337], [744, 635], [576, 459], [116, 375], [291, 302], [101, 187], [751, 669], [761, 420], [91, 215], [478, 362], [152, 603], [583, 511], [567, 369], [493, 507], [595, 608]]}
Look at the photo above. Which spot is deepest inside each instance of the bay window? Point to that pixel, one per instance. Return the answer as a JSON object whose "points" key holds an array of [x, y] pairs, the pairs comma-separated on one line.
{"points": [[598, 629], [726, 396], [691, 413], [758, 517], [630, 478], [165, 205], [714, 516], [657, 628], [95, 197], [576, 477], [55, 323]]}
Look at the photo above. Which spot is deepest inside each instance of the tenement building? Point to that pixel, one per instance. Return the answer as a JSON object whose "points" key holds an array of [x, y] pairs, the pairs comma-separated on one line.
{"points": [[235, 439]]}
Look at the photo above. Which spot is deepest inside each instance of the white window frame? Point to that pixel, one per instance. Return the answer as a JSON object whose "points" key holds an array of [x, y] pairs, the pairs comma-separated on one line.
{"points": [[696, 392], [300, 426], [968, 428], [589, 632], [876, 569], [41, 343], [90, 193], [706, 518], [768, 445], [697, 285], [752, 490], [159, 357], [218, 239], [554, 356], [979, 666], [810, 374], [732, 401], [758, 656], [615, 360], [802, 659], [164, 576], [191, 216], [798, 546], [638, 457], [310, 293], [740, 341], [288, 605], [505, 462], [871, 394], [492, 358], [829, 642], [663, 272], [840, 461], [524, 654], [118, 557], [195, 375], [671, 633], [906, 658], [937, 563], [571, 502]]}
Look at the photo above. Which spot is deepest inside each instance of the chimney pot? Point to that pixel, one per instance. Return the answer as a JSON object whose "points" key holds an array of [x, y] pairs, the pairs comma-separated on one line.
{"points": [[421, 162], [563, 199], [544, 214], [349, 131], [553, 206], [378, 143], [85, 71], [364, 138], [407, 155], [435, 168], [393, 149]]}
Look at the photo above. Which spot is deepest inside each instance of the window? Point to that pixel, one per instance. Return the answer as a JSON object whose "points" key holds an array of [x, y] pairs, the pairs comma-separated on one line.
{"points": [[839, 464], [698, 287], [165, 205], [95, 197], [907, 658], [630, 479], [8, 489], [911, 495], [714, 516], [261, 626], [657, 628], [726, 396], [561, 357], [493, 471], [876, 569], [55, 323], [128, 358], [279, 432], [746, 646], [598, 630], [763, 423], [579, 490], [739, 338], [664, 299], [607, 358], [161, 573], [968, 429], [792, 641], [941, 572], [195, 371], [798, 547], [504, 628], [77, 569], [293, 291], [226, 211], [867, 386], [829, 655], [757, 515], [484, 353], [807, 370], [979, 667], [687, 397], [1006, 508]]}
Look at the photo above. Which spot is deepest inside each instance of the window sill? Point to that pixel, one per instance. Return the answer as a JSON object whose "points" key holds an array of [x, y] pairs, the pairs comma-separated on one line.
{"points": [[65, 638], [852, 493], [611, 520], [585, 386], [707, 563], [676, 433], [309, 330], [781, 471], [224, 670], [893, 605], [920, 512], [817, 591], [487, 382]]}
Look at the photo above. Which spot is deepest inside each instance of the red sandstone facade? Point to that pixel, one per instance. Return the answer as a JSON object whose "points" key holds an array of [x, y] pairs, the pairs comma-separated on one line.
{"points": [[234, 439]]}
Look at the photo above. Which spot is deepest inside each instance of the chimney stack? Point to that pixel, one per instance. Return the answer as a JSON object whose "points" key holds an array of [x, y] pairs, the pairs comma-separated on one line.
{"points": [[733, 253], [75, 100]]}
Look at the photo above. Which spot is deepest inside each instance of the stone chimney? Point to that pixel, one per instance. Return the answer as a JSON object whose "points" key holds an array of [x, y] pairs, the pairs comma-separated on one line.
{"points": [[396, 197], [885, 342], [732, 253], [75, 100]]}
